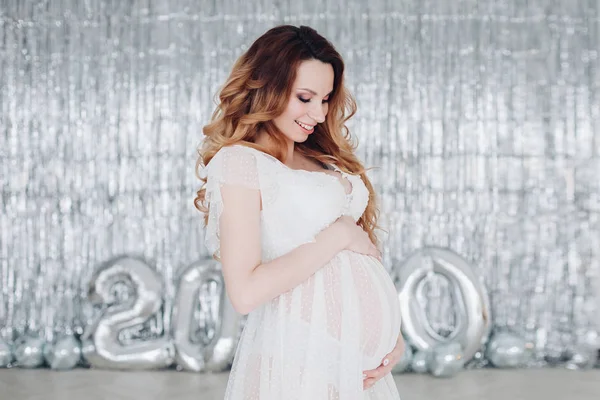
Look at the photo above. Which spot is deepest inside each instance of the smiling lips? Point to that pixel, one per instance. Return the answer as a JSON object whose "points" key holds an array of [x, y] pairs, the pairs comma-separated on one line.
{"points": [[306, 127]]}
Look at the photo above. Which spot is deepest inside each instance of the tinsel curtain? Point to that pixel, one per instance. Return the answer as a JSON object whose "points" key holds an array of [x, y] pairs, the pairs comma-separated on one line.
{"points": [[481, 118]]}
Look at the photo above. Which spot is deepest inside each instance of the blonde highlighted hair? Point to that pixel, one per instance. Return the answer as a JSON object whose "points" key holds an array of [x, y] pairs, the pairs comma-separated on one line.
{"points": [[258, 90]]}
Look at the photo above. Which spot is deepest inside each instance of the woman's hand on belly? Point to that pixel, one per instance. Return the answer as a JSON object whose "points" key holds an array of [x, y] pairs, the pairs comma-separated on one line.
{"points": [[356, 238], [373, 375]]}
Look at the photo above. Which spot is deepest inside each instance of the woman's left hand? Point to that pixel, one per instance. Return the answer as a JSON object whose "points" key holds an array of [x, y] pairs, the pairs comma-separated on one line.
{"points": [[373, 375]]}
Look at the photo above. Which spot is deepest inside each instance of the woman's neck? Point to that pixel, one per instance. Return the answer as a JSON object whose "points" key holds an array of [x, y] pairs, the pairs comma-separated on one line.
{"points": [[290, 155]]}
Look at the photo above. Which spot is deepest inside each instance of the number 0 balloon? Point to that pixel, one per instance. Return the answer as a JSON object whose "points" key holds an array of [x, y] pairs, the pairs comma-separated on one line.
{"points": [[472, 312]]}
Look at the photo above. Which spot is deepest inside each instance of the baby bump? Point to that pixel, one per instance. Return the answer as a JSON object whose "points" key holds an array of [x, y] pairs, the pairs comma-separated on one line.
{"points": [[378, 305], [352, 300]]}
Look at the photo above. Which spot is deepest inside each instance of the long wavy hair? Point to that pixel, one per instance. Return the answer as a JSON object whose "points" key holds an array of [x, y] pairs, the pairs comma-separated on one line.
{"points": [[258, 90]]}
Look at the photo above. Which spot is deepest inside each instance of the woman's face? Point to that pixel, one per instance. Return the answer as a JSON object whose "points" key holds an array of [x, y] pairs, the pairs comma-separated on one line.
{"points": [[308, 104]]}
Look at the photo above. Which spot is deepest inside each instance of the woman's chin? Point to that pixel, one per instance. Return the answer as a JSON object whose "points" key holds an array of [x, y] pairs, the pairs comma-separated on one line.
{"points": [[301, 138]]}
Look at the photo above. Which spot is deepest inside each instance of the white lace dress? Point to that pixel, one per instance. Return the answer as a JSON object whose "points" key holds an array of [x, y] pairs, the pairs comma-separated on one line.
{"points": [[314, 341]]}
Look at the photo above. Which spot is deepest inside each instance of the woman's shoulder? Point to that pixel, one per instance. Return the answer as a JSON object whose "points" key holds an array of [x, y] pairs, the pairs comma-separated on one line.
{"points": [[233, 164], [236, 153], [242, 161], [244, 154], [240, 150]]}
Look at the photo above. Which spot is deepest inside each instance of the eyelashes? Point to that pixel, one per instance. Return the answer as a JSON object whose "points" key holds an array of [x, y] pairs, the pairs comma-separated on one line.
{"points": [[307, 100]]}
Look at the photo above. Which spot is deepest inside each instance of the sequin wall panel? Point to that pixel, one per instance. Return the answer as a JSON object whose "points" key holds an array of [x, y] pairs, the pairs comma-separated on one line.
{"points": [[482, 116]]}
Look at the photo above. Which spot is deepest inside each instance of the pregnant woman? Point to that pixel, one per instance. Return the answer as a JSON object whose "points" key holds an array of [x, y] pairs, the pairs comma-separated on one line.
{"points": [[290, 213]]}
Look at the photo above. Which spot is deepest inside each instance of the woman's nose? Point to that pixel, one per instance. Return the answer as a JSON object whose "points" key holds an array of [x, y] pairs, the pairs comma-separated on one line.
{"points": [[317, 113]]}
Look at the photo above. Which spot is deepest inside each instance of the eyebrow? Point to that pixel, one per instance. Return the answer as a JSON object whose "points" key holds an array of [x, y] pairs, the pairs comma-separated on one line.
{"points": [[313, 92]]}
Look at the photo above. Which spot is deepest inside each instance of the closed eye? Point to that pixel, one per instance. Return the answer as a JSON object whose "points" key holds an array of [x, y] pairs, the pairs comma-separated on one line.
{"points": [[307, 100]]}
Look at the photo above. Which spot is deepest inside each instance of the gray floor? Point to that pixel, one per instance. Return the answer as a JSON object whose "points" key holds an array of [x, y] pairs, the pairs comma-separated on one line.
{"points": [[82, 384]]}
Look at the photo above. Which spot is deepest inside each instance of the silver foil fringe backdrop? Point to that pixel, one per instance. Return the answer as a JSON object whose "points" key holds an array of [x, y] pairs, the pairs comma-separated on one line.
{"points": [[482, 116]]}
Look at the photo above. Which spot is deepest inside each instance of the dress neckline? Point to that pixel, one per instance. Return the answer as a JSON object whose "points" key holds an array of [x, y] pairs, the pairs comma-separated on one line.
{"points": [[344, 175]]}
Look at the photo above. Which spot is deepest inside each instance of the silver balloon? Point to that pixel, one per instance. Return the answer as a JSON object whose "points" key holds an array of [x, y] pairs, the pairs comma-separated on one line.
{"points": [[63, 354], [405, 360], [102, 346], [6, 354], [473, 312], [507, 350], [29, 352], [583, 356], [213, 348], [446, 360], [420, 362]]}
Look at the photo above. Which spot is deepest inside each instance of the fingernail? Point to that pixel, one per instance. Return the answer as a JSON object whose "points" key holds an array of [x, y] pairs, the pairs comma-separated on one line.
{"points": [[386, 362], [364, 376]]}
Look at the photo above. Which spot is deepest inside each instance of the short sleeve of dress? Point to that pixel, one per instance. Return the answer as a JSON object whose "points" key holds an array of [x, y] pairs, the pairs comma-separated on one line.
{"points": [[233, 165]]}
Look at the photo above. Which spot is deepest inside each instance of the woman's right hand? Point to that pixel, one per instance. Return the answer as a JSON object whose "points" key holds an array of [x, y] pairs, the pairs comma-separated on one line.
{"points": [[356, 238]]}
